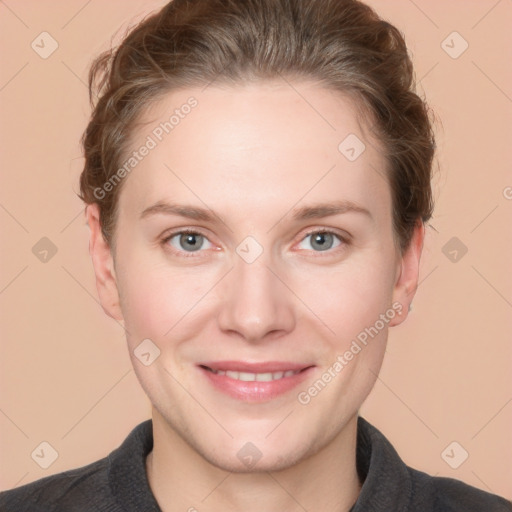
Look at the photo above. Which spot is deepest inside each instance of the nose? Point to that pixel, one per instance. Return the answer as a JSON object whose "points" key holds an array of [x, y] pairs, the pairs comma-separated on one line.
{"points": [[256, 303]]}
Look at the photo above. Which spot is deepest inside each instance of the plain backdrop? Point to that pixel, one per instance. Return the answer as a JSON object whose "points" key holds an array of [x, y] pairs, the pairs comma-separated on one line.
{"points": [[66, 378]]}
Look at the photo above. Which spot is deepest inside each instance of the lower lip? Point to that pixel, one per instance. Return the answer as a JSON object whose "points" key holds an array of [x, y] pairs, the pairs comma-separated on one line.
{"points": [[255, 391]]}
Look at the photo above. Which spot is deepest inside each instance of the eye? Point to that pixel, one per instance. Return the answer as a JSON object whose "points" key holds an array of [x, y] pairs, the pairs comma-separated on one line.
{"points": [[321, 241], [187, 241]]}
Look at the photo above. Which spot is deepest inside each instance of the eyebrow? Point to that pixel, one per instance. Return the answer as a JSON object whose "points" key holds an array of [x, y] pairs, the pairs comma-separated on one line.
{"points": [[314, 211], [327, 209]]}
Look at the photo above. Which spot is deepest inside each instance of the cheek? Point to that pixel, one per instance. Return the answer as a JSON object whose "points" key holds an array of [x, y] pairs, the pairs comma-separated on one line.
{"points": [[156, 298], [351, 297]]}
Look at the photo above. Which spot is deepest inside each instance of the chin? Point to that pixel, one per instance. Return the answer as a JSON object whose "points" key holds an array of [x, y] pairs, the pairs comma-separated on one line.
{"points": [[262, 462]]}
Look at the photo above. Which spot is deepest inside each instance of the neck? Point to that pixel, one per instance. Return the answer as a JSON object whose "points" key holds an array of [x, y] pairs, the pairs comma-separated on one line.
{"points": [[182, 480]]}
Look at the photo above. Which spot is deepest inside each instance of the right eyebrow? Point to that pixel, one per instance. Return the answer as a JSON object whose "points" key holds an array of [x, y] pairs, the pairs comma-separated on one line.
{"points": [[190, 212]]}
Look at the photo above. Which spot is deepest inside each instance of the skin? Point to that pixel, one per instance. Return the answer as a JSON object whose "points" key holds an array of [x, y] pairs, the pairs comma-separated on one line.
{"points": [[255, 154]]}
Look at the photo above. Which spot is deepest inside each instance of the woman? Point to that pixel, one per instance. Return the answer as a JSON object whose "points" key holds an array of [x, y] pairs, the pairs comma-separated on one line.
{"points": [[257, 175]]}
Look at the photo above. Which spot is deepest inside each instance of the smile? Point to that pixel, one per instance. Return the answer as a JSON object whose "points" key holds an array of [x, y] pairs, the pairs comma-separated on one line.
{"points": [[264, 383], [249, 377]]}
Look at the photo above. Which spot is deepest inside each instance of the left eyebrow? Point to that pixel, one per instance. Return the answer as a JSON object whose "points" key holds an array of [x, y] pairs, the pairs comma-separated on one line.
{"points": [[316, 211]]}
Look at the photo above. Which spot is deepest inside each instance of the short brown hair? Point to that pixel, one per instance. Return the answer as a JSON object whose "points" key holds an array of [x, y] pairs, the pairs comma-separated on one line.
{"points": [[342, 44]]}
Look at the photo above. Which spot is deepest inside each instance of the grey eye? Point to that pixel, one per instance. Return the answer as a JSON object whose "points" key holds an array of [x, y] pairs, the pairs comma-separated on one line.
{"points": [[321, 240], [188, 242]]}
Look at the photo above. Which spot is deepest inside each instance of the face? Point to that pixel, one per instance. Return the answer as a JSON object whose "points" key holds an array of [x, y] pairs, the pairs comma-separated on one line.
{"points": [[258, 257]]}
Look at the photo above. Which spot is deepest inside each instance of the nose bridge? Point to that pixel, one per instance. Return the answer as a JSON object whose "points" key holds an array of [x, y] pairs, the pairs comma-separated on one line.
{"points": [[254, 300]]}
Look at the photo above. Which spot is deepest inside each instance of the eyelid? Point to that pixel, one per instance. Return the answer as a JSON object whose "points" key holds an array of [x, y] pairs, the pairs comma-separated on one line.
{"points": [[343, 235]]}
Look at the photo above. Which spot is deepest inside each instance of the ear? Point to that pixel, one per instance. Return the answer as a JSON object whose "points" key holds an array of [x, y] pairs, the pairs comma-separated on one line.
{"points": [[406, 282], [103, 263]]}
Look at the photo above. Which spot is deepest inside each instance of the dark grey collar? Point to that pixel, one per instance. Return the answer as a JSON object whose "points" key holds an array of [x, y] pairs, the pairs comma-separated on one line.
{"points": [[386, 479]]}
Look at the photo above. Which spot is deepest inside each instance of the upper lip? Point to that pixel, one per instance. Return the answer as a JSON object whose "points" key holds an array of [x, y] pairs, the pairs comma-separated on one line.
{"points": [[255, 367]]}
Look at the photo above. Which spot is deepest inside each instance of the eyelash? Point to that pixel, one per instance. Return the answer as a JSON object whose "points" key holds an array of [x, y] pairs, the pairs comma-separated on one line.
{"points": [[345, 241]]}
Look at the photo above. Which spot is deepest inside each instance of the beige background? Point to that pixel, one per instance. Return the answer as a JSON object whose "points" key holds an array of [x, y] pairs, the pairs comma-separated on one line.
{"points": [[65, 373]]}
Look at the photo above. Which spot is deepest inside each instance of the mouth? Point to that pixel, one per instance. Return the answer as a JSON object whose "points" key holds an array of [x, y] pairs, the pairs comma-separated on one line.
{"points": [[254, 382], [250, 377]]}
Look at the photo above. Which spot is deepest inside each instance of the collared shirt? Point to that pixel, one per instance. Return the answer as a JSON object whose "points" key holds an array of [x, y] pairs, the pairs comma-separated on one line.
{"points": [[119, 483]]}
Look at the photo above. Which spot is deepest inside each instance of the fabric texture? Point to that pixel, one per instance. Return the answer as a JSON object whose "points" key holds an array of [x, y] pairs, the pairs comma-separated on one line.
{"points": [[118, 483]]}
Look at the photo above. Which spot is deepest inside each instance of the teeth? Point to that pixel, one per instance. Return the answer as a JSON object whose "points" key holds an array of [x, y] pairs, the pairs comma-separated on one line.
{"points": [[266, 377], [260, 377]]}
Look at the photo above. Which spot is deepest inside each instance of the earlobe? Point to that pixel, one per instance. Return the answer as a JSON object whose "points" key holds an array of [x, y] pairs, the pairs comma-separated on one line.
{"points": [[407, 280], [103, 264]]}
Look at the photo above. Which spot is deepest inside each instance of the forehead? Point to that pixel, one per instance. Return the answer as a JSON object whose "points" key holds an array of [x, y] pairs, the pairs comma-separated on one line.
{"points": [[253, 146]]}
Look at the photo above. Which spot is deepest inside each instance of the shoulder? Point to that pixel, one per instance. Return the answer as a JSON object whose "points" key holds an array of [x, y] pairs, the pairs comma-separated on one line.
{"points": [[390, 484], [74, 490], [115, 483], [450, 495]]}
